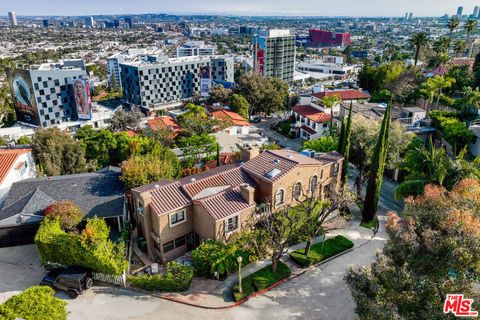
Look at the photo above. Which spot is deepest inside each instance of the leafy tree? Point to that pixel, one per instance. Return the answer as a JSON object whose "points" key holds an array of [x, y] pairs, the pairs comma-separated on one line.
{"points": [[123, 121], [432, 252], [197, 147], [364, 136], [455, 131], [434, 87], [377, 168], [68, 213], [56, 153], [24, 140], [99, 145], [322, 144], [195, 121], [140, 170], [330, 102], [270, 146], [459, 47], [239, 105], [469, 103], [263, 94], [35, 303], [418, 41], [219, 94], [462, 78]]}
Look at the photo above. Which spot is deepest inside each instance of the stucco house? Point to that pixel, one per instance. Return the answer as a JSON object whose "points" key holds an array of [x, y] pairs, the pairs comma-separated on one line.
{"points": [[237, 125], [176, 216]]}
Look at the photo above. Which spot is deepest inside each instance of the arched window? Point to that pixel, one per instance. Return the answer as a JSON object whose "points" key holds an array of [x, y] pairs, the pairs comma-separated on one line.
{"points": [[279, 197], [313, 184], [297, 190]]}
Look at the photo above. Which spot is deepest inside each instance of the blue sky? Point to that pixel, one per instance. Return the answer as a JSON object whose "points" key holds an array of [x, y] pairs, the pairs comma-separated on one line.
{"points": [[235, 7]]}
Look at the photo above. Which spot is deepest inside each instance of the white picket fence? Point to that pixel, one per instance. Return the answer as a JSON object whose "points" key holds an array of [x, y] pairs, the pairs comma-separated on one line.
{"points": [[120, 280]]}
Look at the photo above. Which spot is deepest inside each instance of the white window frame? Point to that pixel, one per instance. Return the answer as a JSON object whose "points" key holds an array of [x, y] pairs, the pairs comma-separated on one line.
{"points": [[174, 224], [316, 184], [294, 189], [227, 223]]}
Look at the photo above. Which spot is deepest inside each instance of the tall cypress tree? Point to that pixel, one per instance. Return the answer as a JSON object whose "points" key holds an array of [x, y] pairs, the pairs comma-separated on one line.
{"points": [[346, 144], [376, 168], [341, 138]]}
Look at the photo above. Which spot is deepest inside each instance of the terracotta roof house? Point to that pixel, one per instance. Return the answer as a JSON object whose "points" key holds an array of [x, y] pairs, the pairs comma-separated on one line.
{"points": [[176, 216], [311, 122], [164, 122], [16, 164], [98, 194], [345, 95], [239, 125]]}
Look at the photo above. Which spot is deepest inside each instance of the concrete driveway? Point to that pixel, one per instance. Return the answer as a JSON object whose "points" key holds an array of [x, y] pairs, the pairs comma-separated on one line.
{"points": [[19, 269]]}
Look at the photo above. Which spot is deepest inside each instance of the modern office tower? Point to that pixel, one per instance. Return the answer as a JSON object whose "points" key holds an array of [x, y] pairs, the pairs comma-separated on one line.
{"points": [[223, 69], [116, 23], [115, 60], [89, 22], [460, 11], [323, 38], [410, 16], [129, 22], [45, 95], [195, 48], [45, 23], [406, 15], [274, 54], [13, 18], [475, 12]]}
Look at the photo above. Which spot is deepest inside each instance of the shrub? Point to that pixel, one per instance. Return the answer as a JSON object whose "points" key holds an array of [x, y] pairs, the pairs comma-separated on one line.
{"points": [[36, 302], [214, 256], [176, 278], [91, 248], [321, 251], [260, 280], [69, 214]]}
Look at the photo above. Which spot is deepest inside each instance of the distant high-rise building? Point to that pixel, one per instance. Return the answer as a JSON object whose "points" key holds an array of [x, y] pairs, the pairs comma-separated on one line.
{"points": [[410, 16], [459, 11], [116, 23], [129, 22], [195, 48], [475, 12], [45, 23], [323, 38], [406, 15], [89, 22], [274, 54], [13, 18]]}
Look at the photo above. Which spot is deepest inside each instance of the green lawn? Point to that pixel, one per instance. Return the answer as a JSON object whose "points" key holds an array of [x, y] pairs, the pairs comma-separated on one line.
{"points": [[260, 280], [321, 251], [372, 224]]}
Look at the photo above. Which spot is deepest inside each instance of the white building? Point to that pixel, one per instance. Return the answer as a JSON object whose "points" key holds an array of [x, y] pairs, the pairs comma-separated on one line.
{"points": [[16, 164], [474, 147], [13, 18], [239, 126], [310, 121], [329, 66], [194, 49]]}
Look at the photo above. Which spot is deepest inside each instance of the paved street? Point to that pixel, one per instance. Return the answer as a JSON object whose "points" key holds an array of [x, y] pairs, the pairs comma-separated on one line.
{"points": [[320, 293]]}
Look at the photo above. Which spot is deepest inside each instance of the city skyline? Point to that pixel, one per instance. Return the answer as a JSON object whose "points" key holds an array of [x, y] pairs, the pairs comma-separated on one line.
{"points": [[367, 8]]}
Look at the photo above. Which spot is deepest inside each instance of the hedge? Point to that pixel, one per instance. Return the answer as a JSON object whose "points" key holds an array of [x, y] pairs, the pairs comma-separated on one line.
{"points": [[177, 278], [321, 251], [90, 249], [37, 302], [260, 280]]}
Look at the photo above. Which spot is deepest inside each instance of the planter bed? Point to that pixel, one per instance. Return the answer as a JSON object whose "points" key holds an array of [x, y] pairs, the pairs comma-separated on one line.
{"points": [[260, 280], [330, 248]]}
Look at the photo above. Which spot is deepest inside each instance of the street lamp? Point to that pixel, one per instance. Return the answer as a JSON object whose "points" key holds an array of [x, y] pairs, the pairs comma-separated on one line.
{"points": [[239, 260]]}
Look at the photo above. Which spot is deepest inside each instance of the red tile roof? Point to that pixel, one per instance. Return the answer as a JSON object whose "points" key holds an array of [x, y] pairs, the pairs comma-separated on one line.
{"points": [[235, 118], [165, 122], [8, 157], [224, 204], [311, 113], [343, 94], [169, 197]]}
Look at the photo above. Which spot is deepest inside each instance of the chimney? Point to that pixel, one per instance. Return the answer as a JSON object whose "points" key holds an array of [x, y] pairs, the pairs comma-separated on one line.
{"points": [[248, 193], [249, 153]]}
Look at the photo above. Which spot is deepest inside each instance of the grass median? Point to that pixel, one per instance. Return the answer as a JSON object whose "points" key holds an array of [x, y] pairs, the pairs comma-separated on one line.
{"points": [[321, 251]]}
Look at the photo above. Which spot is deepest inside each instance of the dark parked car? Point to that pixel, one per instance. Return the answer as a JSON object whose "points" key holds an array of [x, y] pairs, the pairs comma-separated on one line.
{"points": [[74, 281]]}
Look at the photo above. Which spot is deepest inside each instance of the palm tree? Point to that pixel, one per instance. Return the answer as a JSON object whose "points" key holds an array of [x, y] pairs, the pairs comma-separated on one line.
{"points": [[434, 87], [418, 41], [469, 104], [329, 102], [459, 47], [469, 27], [453, 23]]}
